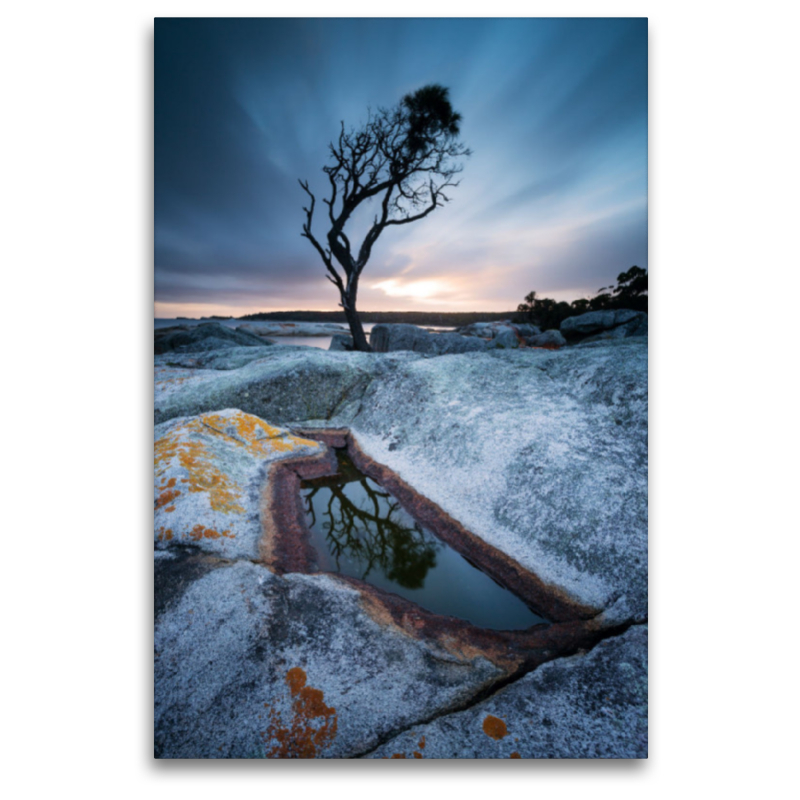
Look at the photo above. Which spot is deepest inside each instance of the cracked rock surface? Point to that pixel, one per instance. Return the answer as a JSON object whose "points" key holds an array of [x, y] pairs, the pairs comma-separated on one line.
{"points": [[541, 454], [584, 706], [249, 664]]}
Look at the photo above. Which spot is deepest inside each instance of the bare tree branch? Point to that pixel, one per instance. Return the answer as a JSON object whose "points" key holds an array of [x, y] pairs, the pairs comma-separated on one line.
{"points": [[402, 157]]}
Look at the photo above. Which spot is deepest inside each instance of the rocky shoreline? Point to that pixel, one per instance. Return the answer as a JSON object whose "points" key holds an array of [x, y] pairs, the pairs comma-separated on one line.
{"points": [[539, 453]]}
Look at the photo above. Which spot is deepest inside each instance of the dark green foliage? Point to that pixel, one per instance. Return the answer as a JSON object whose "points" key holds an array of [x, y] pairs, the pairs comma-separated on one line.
{"points": [[542, 311], [429, 116], [630, 292]]}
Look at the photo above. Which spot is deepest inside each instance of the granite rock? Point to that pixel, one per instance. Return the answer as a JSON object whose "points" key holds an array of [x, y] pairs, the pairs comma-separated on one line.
{"points": [[592, 705]]}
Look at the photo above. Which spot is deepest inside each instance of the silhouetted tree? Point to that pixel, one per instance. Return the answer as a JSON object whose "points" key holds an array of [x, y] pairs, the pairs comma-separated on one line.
{"points": [[525, 310], [631, 290], [580, 306], [542, 311], [403, 158]]}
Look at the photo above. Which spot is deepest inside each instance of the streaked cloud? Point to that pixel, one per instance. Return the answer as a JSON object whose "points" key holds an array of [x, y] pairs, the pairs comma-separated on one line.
{"points": [[554, 197]]}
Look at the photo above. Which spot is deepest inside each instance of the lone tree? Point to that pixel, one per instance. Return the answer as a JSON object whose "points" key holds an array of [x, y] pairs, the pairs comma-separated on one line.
{"points": [[403, 158]]}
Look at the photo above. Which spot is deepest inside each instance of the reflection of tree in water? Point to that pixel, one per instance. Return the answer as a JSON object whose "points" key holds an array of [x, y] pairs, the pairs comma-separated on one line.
{"points": [[373, 536]]}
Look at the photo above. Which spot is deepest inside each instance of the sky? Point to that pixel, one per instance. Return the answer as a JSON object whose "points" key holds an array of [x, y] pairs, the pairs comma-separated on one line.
{"points": [[553, 198]]}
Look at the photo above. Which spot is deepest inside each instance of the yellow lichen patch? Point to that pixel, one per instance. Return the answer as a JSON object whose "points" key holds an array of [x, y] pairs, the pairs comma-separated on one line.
{"points": [[313, 724], [204, 475], [255, 434], [494, 727], [199, 532], [164, 535], [189, 445]]}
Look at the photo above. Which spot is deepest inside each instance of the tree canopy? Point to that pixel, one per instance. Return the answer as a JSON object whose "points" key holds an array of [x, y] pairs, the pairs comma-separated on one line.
{"points": [[404, 159], [630, 292]]}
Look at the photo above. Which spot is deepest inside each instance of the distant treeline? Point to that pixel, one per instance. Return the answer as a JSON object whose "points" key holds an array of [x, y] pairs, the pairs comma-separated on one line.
{"points": [[630, 292], [448, 319]]}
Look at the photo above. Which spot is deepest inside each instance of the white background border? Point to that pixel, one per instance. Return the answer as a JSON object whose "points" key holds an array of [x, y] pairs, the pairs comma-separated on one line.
{"points": [[77, 257]]}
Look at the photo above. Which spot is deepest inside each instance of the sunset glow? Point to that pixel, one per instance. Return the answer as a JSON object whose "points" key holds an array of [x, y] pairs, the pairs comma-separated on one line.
{"points": [[553, 198]]}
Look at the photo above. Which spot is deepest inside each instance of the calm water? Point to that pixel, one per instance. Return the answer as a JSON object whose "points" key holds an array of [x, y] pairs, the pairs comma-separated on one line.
{"points": [[359, 529]]}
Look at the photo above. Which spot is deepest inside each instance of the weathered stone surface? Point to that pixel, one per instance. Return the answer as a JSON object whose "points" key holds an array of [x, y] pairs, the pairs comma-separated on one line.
{"points": [[289, 384], [225, 358], [250, 664], [585, 706], [505, 339], [623, 322], [489, 330], [210, 471], [542, 454], [386, 338], [526, 330], [551, 338], [341, 341], [206, 336], [484, 330], [557, 443]]}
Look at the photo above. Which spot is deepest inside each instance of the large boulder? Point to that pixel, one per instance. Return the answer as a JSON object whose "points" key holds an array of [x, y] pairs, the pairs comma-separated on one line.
{"points": [[505, 339], [341, 342], [489, 330], [592, 705], [210, 471], [288, 385], [202, 337], [618, 324], [387, 338], [525, 329], [224, 358], [550, 338], [249, 664]]}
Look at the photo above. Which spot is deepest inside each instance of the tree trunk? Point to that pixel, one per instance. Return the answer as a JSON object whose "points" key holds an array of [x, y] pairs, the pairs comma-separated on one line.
{"points": [[360, 342]]}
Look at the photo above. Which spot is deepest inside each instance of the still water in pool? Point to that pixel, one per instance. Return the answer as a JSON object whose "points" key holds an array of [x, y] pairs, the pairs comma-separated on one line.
{"points": [[359, 529]]}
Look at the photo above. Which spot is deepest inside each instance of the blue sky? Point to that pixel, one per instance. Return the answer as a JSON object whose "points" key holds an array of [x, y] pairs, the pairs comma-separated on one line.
{"points": [[553, 198]]}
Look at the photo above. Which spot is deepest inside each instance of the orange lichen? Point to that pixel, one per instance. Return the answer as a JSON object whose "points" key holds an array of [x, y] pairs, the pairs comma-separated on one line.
{"points": [[167, 496], [255, 434], [515, 754], [189, 446], [421, 744], [417, 755], [204, 475], [313, 724], [169, 509], [399, 755], [199, 532], [164, 535], [494, 727], [295, 680]]}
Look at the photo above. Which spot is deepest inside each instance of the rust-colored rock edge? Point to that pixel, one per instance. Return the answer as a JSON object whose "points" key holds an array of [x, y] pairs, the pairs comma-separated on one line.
{"points": [[286, 548]]}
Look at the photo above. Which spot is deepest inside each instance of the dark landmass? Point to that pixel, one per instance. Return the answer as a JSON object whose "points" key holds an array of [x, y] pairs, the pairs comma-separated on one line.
{"points": [[450, 319]]}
